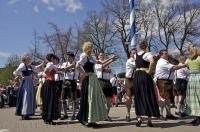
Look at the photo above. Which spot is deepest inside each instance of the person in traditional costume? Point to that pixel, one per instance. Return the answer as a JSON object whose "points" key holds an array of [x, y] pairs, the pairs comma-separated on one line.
{"points": [[25, 106], [130, 69], [104, 74], [164, 76], [93, 102], [144, 91], [193, 87], [69, 89], [49, 92]]}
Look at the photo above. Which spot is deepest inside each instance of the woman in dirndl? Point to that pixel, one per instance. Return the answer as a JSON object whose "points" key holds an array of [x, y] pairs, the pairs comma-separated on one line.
{"points": [[93, 102], [193, 87], [104, 74], [49, 92], [25, 106], [144, 90]]}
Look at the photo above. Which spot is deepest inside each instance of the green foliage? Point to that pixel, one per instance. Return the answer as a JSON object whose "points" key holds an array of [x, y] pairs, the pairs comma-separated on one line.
{"points": [[6, 74], [121, 75]]}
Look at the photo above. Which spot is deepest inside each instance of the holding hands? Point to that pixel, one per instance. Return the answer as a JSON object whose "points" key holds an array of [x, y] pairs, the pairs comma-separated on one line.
{"points": [[114, 57]]}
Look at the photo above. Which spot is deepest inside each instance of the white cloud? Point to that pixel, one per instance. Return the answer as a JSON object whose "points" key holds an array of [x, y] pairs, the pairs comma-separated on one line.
{"points": [[12, 2], [51, 8], [52, 5], [73, 5], [36, 9], [167, 2], [46, 1], [68, 5], [147, 1], [4, 54]]}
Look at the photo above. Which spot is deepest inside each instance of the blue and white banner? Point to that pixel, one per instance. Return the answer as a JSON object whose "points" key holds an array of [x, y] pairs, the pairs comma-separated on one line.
{"points": [[132, 22]]}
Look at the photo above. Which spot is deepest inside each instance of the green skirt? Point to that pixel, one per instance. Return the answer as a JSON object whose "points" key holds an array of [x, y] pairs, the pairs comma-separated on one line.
{"points": [[193, 95], [96, 101]]}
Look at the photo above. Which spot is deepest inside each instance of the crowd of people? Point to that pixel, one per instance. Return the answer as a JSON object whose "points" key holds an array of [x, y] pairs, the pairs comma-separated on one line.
{"points": [[89, 84], [8, 95]]}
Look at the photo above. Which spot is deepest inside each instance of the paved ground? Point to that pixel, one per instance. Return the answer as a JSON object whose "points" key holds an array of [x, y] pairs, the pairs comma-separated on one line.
{"points": [[11, 123]]}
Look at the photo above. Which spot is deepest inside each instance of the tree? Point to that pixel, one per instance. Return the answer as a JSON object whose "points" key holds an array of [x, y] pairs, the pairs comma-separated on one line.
{"points": [[35, 51], [167, 21], [146, 24], [98, 29], [119, 12], [58, 42], [188, 29], [7, 72], [13, 60]]}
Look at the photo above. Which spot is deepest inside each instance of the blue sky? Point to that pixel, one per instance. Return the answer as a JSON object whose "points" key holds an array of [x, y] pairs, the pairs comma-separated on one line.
{"points": [[19, 18]]}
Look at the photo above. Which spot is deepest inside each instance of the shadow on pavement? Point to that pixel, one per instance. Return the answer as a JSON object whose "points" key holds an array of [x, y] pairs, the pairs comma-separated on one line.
{"points": [[169, 125]]}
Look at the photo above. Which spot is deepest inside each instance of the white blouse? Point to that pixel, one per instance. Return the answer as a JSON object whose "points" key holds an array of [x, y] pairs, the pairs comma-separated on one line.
{"points": [[130, 65], [50, 66], [73, 75], [99, 72], [147, 56], [84, 57], [22, 67]]}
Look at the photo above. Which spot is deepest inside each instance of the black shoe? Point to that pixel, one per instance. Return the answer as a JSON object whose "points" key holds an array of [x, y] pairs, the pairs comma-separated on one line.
{"points": [[177, 113], [95, 125], [183, 114], [109, 119], [138, 124], [25, 118], [128, 119], [149, 124], [73, 117], [52, 123], [171, 117], [49, 122], [92, 125], [64, 117], [162, 118], [195, 122], [173, 106]]}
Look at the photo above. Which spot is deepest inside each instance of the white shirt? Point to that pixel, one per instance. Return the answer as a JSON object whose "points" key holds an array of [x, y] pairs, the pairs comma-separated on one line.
{"points": [[41, 76], [19, 70], [163, 70], [50, 66], [22, 67], [113, 81], [147, 56], [73, 75], [58, 77], [182, 73], [98, 71], [130, 66], [84, 57]]}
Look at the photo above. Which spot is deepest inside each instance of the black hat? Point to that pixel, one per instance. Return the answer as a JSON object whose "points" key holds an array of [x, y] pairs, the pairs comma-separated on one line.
{"points": [[70, 53]]}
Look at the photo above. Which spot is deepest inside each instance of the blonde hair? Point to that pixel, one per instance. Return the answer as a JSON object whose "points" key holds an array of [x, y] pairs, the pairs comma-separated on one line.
{"points": [[24, 58], [87, 48], [193, 51]]}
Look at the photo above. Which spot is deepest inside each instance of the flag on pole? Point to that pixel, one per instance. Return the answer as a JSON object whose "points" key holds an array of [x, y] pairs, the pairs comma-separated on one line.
{"points": [[132, 23]]}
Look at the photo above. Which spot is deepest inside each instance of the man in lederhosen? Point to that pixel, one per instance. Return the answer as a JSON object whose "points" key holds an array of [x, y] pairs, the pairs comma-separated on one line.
{"points": [[69, 84], [164, 76], [130, 68]]}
